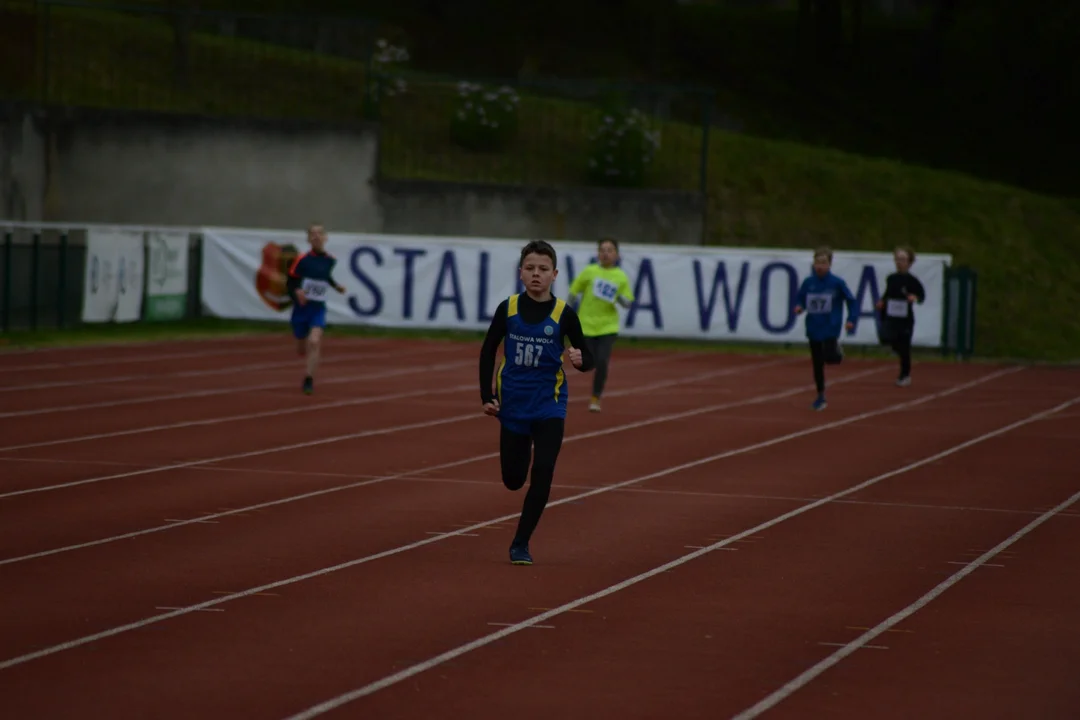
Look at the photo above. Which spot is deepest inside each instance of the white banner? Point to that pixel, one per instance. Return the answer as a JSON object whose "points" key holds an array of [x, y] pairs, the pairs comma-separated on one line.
{"points": [[167, 275], [456, 283], [113, 282]]}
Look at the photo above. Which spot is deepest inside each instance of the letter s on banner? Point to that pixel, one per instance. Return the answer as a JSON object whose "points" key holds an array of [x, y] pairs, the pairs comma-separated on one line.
{"points": [[366, 281]]}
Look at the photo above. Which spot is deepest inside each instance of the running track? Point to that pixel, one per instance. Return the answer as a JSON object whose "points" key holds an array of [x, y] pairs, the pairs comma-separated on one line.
{"points": [[182, 534]]}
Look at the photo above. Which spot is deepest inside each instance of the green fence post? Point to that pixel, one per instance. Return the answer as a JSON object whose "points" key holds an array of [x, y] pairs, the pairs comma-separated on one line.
{"points": [[195, 275], [5, 311], [61, 280], [970, 288], [958, 328], [35, 262]]}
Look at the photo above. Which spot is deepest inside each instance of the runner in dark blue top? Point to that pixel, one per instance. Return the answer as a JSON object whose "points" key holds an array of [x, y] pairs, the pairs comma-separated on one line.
{"points": [[822, 296], [533, 327], [310, 279]]}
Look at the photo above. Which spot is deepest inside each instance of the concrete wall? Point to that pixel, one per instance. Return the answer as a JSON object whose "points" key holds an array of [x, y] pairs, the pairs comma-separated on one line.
{"points": [[22, 167], [165, 170], [437, 208]]}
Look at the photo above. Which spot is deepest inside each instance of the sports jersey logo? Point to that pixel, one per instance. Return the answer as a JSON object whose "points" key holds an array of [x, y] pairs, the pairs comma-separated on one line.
{"points": [[271, 275]]}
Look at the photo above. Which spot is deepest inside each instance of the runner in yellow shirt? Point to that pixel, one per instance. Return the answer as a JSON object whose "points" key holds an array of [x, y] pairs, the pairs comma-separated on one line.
{"points": [[595, 291]]}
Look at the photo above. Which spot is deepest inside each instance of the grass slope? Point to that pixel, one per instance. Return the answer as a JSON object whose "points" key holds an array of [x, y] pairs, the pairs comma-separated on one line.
{"points": [[762, 193]]}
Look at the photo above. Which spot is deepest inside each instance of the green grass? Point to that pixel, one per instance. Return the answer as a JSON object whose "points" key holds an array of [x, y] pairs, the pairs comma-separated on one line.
{"points": [[112, 60], [764, 193]]}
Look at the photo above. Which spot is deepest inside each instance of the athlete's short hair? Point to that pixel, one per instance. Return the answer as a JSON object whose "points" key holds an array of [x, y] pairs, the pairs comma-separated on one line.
{"points": [[611, 240], [909, 251], [538, 247]]}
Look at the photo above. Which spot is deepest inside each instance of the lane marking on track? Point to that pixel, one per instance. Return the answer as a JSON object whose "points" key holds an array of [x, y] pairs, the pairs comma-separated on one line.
{"points": [[396, 476], [363, 434], [892, 630], [211, 372], [868, 647], [87, 639], [351, 402], [806, 677], [791, 687], [214, 392]]}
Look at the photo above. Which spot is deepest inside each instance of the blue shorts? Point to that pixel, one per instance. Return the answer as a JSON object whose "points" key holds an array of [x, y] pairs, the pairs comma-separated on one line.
{"points": [[305, 317]]}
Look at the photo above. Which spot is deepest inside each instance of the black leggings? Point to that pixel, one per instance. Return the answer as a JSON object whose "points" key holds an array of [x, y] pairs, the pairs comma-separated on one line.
{"points": [[822, 353], [901, 345], [600, 348], [515, 453]]}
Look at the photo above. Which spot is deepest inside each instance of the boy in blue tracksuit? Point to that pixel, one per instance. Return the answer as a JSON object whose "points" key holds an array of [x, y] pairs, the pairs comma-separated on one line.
{"points": [[821, 296]]}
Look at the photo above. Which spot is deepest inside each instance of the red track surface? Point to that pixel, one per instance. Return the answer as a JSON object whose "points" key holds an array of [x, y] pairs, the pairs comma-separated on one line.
{"points": [[183, 535]]}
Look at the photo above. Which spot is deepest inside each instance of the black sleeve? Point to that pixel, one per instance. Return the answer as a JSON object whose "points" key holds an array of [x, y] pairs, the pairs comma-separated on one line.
{"points": [[333, 282], [570, 324], [489, 350], [918, 291], [892, 288], [292, 284]]}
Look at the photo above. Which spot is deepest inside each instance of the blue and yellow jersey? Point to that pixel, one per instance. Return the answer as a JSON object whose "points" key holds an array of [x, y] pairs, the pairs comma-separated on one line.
{"points": [[531, 384]]}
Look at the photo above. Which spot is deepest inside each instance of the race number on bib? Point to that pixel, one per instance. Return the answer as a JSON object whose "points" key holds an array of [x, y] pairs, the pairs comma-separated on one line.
{"points": [[315, 289], [896, 308], [819, 303], [604, 290]]}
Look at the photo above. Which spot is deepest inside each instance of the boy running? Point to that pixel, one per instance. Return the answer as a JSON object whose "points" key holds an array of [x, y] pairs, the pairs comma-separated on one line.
{"points": [[531, 396], [309, 278], [902, 291], [595, 293], [821, 296]]}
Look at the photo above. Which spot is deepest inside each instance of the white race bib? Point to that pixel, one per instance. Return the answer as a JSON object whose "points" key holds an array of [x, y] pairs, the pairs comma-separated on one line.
{"points": [[896, 308], [604, 290], [818, 303], [314, 289]]}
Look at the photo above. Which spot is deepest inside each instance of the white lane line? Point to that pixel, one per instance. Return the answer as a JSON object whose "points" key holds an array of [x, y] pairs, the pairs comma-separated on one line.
{"points": [[379, 431], [769, 702], [408, 473], [869, 647], [409, 370], [269, 342], [313, 407], [87, 639], [229, 370], [955, 562], [279, 386], [804, 678], [172, 607], [246, 416]]}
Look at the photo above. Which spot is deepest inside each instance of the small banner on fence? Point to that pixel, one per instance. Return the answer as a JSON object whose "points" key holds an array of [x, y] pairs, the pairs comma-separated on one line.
{"points": [[113, 284], [166, 275], [404, 281]]}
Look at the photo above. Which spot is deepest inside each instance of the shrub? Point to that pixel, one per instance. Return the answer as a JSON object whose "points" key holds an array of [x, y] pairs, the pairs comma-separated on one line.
{"points": [[383, 78], [622, 147], [484, 119]]}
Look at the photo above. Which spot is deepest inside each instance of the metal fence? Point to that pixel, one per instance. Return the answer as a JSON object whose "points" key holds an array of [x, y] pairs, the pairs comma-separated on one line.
{"points": [[65, 53], [43, 271], [547, 134], [522, 132]]}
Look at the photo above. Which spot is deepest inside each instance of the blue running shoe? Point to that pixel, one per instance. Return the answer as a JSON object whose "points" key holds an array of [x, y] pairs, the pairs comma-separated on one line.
{"points": [[519, 555], [820, 403]]}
